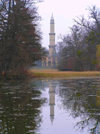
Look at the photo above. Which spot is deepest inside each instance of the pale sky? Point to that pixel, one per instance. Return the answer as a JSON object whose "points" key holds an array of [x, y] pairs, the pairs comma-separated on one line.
{"points": [[64, 11]]}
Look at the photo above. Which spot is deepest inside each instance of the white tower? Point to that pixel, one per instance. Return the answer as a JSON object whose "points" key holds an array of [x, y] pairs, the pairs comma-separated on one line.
{"points": [[51, 59], [51, 101], [52, 51]]}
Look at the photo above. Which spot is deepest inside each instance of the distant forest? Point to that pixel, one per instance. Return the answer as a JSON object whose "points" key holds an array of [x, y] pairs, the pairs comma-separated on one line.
{"points": [[79, 50]]}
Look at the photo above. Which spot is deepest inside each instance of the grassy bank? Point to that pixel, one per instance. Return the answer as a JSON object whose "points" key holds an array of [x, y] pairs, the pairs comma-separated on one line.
{"points": [[53, 73]]}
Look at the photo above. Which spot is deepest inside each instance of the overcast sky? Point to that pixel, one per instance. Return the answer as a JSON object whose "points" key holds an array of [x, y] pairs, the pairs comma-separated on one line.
{"points": [[64, 11]]}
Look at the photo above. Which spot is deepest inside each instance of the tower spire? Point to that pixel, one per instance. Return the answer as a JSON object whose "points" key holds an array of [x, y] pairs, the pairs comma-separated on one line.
{"points": [[52, 16], [52, 19]]}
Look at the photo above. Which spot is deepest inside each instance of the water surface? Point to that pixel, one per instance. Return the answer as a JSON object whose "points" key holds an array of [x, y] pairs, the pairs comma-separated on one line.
{"points": [[50, 106]]}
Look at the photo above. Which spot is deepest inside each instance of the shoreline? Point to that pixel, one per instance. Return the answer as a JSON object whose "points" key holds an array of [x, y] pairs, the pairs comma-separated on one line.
{"points": [[53, 73]]}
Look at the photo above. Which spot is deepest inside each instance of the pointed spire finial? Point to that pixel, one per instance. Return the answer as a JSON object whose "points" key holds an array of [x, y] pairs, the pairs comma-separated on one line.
{"points": [[52, 19], [52, 15]]}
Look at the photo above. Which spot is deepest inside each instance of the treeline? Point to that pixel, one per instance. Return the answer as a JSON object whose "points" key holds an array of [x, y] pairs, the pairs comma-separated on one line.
{"points": [[20, 36], [78, 49]]}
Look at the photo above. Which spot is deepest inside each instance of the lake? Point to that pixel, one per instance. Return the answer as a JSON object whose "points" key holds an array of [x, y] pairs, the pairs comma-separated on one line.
{"points": [[66, 106]]}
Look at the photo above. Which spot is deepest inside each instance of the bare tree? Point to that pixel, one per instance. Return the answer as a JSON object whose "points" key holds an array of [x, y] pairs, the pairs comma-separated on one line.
{"points": [[81, 42]]}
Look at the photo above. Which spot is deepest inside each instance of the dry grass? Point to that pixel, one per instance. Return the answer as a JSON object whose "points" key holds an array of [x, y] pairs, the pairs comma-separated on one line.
{"points": [[53, 73]]}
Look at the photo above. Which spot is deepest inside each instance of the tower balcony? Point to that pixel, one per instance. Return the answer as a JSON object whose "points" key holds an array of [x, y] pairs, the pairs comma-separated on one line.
{"points": [[51, 46], [51, 33]]}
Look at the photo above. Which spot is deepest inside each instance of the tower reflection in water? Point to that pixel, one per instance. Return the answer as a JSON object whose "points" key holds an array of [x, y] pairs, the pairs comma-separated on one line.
{"points": [[51, 101]]}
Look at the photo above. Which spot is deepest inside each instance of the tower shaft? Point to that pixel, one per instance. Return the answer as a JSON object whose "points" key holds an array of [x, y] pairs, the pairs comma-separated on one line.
{"points": [[51, 59], [52, 51]]}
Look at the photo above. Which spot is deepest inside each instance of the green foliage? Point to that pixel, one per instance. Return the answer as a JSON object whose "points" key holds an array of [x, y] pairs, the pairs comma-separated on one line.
{"points": [[79, 53], [78, 94], [94, 62], [91, 36]]}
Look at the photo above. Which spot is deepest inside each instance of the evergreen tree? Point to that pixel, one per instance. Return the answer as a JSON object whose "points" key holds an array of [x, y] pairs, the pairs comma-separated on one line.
{"points": [[19, 34]]}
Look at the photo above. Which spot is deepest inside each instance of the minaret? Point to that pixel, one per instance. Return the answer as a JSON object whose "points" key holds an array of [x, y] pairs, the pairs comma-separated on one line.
{"points": [[51, 101], [52, 51], [51, 59]]}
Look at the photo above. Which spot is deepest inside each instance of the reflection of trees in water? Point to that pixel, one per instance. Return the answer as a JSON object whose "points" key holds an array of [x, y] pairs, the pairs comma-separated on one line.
{"points": [[80, 96], [19, 108]]}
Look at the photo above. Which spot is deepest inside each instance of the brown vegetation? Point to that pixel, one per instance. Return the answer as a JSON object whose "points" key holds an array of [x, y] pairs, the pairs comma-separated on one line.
{"points": [[53, 73]]}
